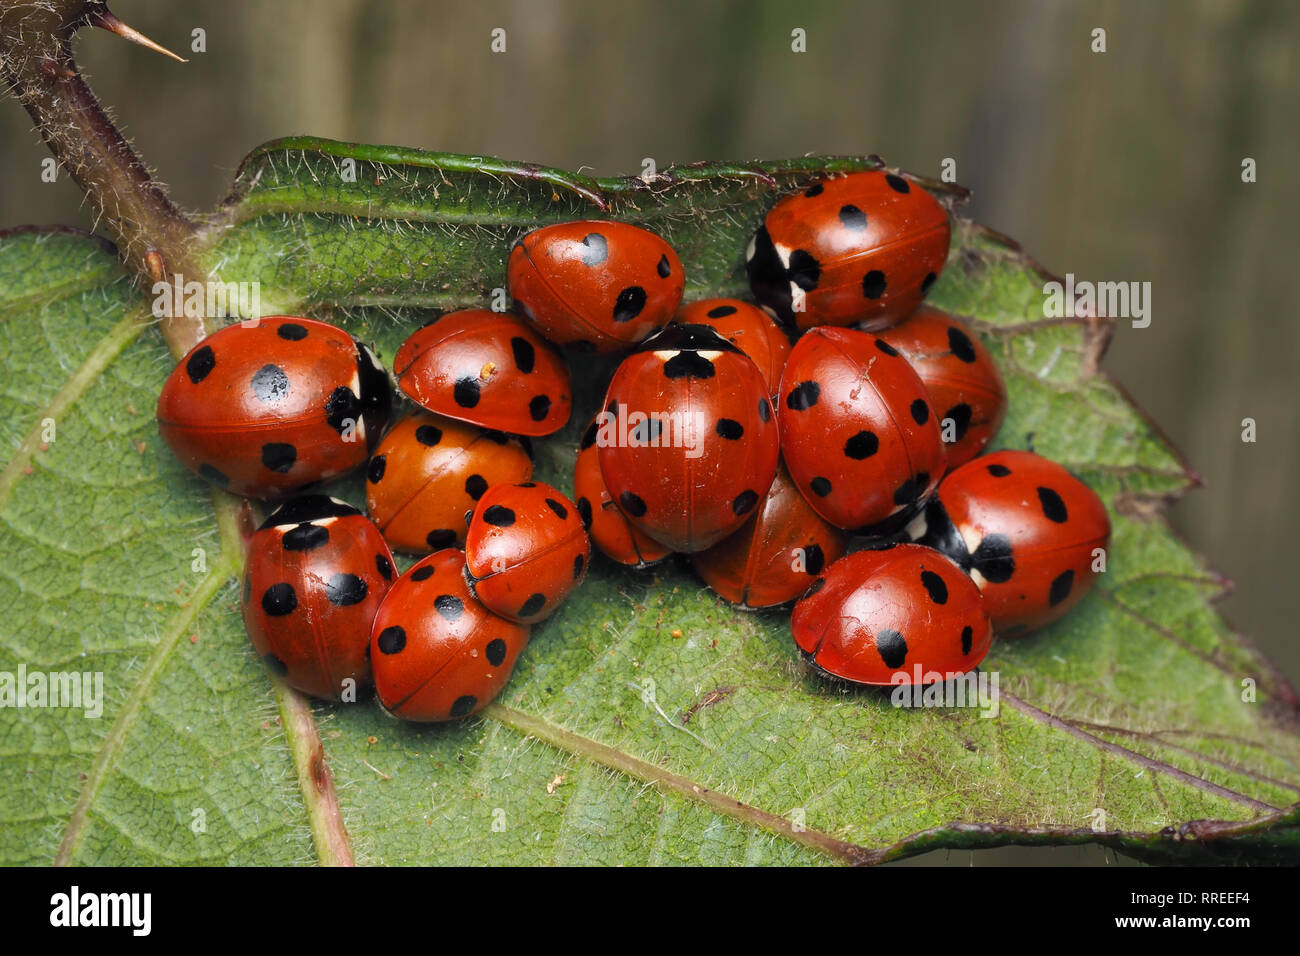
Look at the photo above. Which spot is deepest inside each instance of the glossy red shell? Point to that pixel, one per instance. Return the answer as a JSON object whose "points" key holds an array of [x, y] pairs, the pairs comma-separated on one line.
{"points": [[595, 285], [487, 368], [1026, 530], [965, 386], [748, 328], [437, 653], [905, 614], [316, 574], [429, 471], [776, 554], [688, 442], [526, 550], [609, 529], [857, 431], [266, 409], [865, 247]]}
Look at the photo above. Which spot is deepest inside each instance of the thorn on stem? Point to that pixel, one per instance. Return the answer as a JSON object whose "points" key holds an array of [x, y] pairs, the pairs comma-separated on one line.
{"points": [[105, 19]]}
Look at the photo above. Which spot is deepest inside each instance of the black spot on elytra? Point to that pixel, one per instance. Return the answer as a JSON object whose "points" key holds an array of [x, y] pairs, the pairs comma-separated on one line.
{"points": [[440, 538], [559, 509], [804, 271], [853, 218], [213, 474], [428, 435], [993, 559], [466, 391], [632, 504], [306, 537], [375, 470], [862, 445], [816, 189], [912, 489], [1060, 589], [898, 184], [499, 516], [803, 396], [539, 407], [200, 363], [269, 383], [344, 589], [584, 512], [579, 565], [391, 640], [449, 606], [873, 284], [920, 411], [495, 652], [646, 432], [719, 311], [343, 409], [966, 635], [596, 249], [664, 268], [277, 665], [629, 303], [525, 354], [927, 282], [765, 409], [886, 348], [688, 364], [464, 705], [384, 567], [999, 471], [814, 559], [821, 487], [744, 502], [935, 586], [960, 416], [475, 485], [535, 603], [279, 599], [291, 331], [892, 648], [960, 345], [422, 574], [730, 428], [589, 436], [1053, 506], [279, 456]]}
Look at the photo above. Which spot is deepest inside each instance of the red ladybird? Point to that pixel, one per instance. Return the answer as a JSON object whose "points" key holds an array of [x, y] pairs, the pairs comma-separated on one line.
{"points": [[748, 328], [905, 614], [857, 430], [429, 471], [487, 368], [966, 390], [865, 247], [1031, 534], [437, 653], [610, 530], [775, 556], [595, 285], [266, 409], [525, 551], [316, 574], [687, 443]]}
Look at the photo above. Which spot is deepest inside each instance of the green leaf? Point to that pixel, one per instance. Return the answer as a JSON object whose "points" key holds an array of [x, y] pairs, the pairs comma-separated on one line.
{"points": [[617, 741]]}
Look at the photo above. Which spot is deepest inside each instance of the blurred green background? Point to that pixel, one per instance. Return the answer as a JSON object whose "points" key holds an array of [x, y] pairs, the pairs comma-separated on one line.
{"points": [[1121, 166]]}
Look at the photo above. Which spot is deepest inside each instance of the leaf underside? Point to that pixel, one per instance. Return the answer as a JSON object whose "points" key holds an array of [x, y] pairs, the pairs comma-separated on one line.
{"points": [[1132, 705]]}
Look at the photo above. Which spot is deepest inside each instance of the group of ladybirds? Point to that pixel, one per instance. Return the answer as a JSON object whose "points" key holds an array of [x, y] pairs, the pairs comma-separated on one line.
{"points": [[758, 439]]}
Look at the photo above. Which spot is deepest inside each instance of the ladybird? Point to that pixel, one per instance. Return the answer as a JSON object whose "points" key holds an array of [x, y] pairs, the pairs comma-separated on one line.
{"points": [[857, 431], [429, 471], [965, 386], [486, 368], [865, 247], [748, 328], [1031, 535], [687, 442], [317, 571], [437, 653], [904, 614], [774, 557], [595, 285], [610, 530], [525, 551], [269, 408]]}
